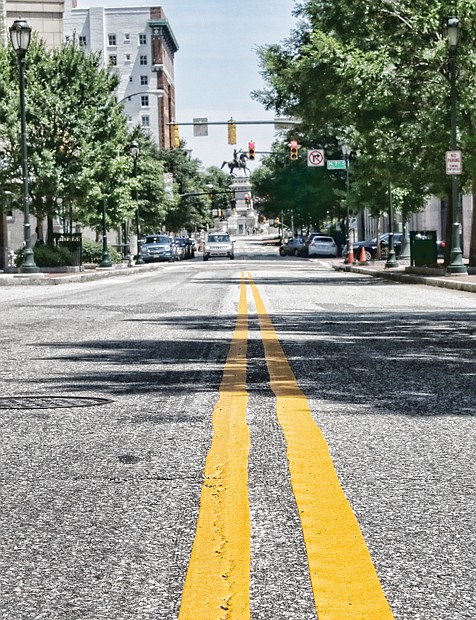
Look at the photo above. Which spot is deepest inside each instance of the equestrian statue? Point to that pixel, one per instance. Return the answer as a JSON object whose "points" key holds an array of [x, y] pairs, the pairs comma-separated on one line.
{"points": [[239, 162]]}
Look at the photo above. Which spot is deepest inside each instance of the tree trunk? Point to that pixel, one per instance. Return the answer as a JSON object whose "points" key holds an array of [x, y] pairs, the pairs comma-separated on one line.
{"points": [[40, 235], [49, 235], [3, 240], [378, 254], [472, 247]]}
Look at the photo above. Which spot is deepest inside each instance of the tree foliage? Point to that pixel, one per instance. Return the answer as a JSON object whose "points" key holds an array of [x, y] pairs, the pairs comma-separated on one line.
{"points": [[377, 76], [79, 147]]}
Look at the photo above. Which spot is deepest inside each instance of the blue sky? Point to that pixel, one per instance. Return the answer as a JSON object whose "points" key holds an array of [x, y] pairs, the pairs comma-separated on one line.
{"points": [[216, 66]]}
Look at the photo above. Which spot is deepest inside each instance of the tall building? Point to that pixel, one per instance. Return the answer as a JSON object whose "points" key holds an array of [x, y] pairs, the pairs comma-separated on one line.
{"points": [[44, 17], [139, 43]]}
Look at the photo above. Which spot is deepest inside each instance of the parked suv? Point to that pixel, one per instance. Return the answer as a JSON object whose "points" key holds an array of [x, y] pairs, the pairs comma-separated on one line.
{"points": [[158, 248], [218, 244]]}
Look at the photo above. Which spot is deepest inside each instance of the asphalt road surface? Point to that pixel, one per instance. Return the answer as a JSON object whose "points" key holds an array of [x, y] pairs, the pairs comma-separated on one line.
{"points": [[262, 439]]}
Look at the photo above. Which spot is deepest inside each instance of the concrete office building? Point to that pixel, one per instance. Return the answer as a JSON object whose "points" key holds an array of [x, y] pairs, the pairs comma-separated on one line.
{"points": [[139, 43], [45, 17]]}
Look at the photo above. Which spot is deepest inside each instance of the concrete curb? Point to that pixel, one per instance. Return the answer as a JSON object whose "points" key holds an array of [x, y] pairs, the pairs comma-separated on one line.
{"points": [[83, 276], [399, 275]]}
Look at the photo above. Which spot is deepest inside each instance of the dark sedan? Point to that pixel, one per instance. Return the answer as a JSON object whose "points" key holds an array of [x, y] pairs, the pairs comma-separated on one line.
{"points": [[292, 247]]}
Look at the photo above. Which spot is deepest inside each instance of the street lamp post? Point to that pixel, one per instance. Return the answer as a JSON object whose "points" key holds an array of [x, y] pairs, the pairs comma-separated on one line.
{"points": [[135, 154], [20, 33], [391, 260], [350, 251], [456, 264], [106, 261]]}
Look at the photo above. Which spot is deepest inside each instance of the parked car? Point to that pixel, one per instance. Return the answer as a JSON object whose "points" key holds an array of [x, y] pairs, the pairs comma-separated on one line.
{"points": [[292, 247], [370, 247], [308, 240], [218, 244], [322, 246], [158, 248], [185, 247]]}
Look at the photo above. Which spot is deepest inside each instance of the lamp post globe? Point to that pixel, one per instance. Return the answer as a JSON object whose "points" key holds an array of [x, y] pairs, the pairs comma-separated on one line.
{"points": [[20, 33], [456, 265], [135, 152]]}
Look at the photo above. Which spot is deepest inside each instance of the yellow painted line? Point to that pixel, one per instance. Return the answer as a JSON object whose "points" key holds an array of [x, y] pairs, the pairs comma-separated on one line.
{"points": [[217, 583], [344, 581]]}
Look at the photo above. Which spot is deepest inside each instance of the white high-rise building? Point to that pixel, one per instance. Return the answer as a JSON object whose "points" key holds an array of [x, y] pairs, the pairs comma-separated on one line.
{"points": [[140, 44]]}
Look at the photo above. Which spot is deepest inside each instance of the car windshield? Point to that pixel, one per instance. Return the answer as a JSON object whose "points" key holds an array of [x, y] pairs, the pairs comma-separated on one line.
{"points": [[219, 239], [157, 239], [323, 240]]}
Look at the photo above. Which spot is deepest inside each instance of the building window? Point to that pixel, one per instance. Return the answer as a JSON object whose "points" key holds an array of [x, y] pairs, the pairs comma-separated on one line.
{"points": [[129, 119], [144, 101], [131, 79], [144, 80], [127, 37], [145, 121], [82, 40], [128, 58], [142, 39], [143, 60], [112, 39], [113, 60]]}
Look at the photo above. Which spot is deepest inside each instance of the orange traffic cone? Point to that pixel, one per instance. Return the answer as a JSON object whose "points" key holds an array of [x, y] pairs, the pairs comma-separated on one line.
{"points": [[362, 257], [350, 254]]}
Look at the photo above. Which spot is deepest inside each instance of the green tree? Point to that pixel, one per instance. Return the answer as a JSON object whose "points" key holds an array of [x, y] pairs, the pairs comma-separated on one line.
{"points": [[192, 205], [377, 75], [77, 135], [310, 195]]}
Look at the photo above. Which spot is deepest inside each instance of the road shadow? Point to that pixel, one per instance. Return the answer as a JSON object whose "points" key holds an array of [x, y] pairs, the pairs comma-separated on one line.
{"points": [[409, 363]]}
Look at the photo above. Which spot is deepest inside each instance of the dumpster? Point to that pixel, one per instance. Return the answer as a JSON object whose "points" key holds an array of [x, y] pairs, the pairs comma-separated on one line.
{"points": [[423, 251]]}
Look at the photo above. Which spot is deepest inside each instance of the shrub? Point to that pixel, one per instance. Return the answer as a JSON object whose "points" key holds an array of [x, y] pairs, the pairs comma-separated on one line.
{"points": [[92, 252], [48, 256]]}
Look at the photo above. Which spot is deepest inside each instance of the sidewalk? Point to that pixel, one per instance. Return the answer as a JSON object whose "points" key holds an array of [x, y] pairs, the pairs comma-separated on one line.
{"points": [[15, 279], [414, 275]]}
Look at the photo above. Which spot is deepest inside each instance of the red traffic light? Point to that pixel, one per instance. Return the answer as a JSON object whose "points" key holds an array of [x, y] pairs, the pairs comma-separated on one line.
{"points": [[251, 150], [293, 146]]}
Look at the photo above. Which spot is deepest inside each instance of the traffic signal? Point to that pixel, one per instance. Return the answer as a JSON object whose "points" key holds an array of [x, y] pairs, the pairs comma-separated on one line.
{"points": [[251, 150], [174, 136], [293, 146], [231, 132]]}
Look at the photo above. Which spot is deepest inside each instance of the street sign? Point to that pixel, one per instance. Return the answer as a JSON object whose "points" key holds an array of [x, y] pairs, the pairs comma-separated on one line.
{"points": [[285, 123], [315, 157], [200, 126], [336, 164], [454, 164]]}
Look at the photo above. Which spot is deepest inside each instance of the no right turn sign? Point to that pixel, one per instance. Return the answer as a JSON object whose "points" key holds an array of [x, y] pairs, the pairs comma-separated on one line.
{"points": [[315, 157]]}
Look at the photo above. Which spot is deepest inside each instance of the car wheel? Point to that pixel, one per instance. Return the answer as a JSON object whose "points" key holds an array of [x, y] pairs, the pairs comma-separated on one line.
{"points": [[232, 257], [205, 257], [282, 252], [368, 256]]}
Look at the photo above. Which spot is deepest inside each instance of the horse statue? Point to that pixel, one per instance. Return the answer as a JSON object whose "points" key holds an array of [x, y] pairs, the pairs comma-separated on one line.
{"points": [[239, 162]]}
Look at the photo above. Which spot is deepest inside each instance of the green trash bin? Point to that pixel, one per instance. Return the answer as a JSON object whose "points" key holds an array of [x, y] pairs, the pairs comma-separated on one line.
{"points": [[423, 251], [74, 243]]}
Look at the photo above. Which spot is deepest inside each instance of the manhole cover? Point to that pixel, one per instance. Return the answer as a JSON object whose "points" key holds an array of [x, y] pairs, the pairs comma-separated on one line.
{"points": [[50, 402]]}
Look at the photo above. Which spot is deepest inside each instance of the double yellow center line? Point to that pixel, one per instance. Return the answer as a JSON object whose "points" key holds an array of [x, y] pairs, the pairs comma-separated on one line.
{"points": [[217, 585]]}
